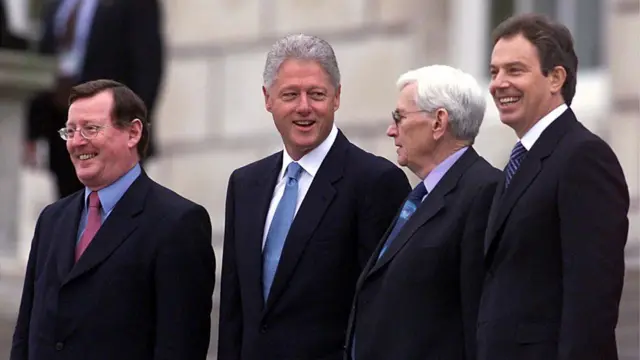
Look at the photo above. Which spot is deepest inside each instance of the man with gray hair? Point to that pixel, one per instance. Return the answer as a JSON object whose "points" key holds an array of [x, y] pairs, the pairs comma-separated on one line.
{"points": [[417, 297], [301, 223]]}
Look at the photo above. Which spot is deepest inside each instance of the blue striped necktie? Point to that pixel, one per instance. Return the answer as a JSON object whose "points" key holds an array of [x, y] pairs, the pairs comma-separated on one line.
{"points": [[279, 227], [517, 155], [408, 208]]}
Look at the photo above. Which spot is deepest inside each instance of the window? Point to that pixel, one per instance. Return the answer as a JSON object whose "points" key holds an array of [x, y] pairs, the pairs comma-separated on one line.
{"points": [[583, 18]]}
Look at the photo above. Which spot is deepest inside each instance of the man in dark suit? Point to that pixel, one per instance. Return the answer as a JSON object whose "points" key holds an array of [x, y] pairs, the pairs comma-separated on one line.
{"points": [[330, 201], [123, 269], [417, 298], [554, 249], [93, 39]]}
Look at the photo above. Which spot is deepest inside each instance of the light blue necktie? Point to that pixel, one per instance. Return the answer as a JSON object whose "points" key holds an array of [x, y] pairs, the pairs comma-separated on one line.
{"points": [[279, 228]]}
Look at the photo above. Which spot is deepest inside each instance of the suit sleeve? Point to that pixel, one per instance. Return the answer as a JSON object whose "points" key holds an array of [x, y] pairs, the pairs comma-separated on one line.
{"points": [[147, 50], [382, 203], [20, 344], [230, 330], [184, 281], [472, 262], [593, 202]]}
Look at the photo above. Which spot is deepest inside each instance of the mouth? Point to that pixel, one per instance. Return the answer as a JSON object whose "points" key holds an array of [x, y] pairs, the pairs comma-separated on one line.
{"points": [[506, 102], [305, 124], [86, 156]]}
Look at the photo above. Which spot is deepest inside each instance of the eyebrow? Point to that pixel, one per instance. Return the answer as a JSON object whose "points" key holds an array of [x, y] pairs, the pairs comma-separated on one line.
{"points": [[509, 64]]}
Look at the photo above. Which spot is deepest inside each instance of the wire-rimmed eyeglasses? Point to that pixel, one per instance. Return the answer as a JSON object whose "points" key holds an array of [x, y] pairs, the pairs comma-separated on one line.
{"points": [[397, 116], [87, 131]]}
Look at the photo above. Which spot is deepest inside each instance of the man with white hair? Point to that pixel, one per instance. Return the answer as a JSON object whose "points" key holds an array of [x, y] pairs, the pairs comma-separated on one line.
{"points": [[417, 298], [301, 223]]}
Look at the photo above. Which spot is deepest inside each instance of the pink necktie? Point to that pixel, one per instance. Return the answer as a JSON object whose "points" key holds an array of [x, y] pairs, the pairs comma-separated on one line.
{"points": [[93, 224]]}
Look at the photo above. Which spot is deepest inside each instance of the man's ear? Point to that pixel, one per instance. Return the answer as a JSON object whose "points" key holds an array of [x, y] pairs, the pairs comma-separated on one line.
{"points": [[267, 99], [440, 123], [557, 77], [135, 133]]}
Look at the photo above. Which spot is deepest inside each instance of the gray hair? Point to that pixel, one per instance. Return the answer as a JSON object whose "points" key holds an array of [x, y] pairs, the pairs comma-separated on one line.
{"points": [[445, 87], [301, 47]]}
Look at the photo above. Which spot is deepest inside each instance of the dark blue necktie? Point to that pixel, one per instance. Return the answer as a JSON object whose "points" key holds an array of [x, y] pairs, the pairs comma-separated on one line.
{"points": [[517, 155], [408, 208], [279, 227]]}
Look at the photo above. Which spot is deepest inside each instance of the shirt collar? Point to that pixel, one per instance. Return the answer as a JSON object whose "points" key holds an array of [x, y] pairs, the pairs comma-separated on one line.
{"points": [[536, 130], [111, 194], [434, 177], [311, 161]]}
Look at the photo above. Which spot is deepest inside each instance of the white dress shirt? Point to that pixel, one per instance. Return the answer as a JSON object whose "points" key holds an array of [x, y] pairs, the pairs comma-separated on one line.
{"points": [[310, 164], [536, 130]]}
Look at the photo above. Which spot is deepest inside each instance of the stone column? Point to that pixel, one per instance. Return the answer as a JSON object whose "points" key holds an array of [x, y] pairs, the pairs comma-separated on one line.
{"points": [[21, 74], [623, 124]]}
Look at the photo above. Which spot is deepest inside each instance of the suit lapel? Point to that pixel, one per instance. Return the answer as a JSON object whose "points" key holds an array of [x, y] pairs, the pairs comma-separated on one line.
{"points": [[116, 229], [430, 207], [255, 205], [528, 171], [311, 212], [66, 233]]}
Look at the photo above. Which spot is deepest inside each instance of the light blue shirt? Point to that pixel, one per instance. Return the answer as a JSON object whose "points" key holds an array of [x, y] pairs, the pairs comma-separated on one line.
{"points": [[439, 171], [71, 62], [109, 197]]}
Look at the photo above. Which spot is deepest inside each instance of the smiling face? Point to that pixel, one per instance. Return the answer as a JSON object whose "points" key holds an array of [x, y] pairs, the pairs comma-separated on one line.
{"points": [[302, 101], [521, 92], [103, 159]]}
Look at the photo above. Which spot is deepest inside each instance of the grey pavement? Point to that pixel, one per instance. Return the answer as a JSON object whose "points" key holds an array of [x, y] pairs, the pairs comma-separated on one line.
{"points": [[627, 331]]}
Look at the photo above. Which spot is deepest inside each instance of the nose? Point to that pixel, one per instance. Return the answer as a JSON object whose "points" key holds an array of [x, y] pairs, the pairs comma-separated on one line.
{"points": [[392, 130], [303, 107], [76, 140], [498, 82]]}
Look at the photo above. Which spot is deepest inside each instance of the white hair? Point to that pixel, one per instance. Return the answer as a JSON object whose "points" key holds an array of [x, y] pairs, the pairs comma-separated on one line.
{"points": [[445, 87], [301, 47]]}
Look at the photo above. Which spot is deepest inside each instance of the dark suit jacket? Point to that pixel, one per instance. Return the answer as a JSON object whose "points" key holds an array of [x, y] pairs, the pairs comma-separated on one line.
{"points": [[125, 44], [420, 299], [350, 203], [555, 252], [142, 289]]}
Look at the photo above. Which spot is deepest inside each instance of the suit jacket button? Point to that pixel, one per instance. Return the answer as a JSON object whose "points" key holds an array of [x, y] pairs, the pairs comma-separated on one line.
{"points": [[59, 346], [263, 328]]}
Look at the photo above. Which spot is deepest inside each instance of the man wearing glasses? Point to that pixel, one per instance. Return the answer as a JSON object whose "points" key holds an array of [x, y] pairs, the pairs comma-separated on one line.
{"points": [[124, 269], [417, 297]]}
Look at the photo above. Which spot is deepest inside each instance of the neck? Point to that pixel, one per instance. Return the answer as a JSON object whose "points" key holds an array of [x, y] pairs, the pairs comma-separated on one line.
{"points": [[440, 154], [554, 103]]}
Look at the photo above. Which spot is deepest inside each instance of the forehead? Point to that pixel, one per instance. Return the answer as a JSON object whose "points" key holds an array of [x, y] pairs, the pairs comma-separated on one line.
{"points": [[96, 108], [514, 49], [407, 96], [302, 73]]}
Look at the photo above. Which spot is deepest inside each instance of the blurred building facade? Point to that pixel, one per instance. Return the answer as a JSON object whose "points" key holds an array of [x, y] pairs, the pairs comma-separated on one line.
{"points": [[211, 117]]}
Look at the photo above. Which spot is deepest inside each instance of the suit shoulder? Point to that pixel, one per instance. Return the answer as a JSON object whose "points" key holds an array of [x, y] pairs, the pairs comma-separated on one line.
{"points": [[256, 167], [164, 199], [483, 173], [583, 142], [368, 163], [60, 205]]}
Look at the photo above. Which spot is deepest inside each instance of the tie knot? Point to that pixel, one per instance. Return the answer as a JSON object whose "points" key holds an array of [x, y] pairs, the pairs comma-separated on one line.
{"points": [[418, 192], [518, 151], [94, 200], [294, 170]]}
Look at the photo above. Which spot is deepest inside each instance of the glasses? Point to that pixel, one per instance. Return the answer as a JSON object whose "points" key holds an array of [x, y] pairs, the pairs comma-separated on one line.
{"points": [[88, 131], [397, 116]]}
